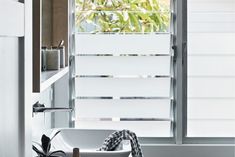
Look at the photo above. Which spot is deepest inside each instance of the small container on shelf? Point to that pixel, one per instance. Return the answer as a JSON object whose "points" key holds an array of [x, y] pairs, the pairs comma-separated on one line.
{"points": [[52, 59], [43, 62], [62, 55]]}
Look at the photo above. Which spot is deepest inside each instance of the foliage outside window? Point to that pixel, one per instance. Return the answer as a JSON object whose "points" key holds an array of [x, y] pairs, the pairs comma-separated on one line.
{"points": [[122, 16]]}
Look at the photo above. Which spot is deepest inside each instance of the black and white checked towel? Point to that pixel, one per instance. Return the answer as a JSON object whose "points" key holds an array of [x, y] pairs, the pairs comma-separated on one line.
{"points": [[117, 137]]}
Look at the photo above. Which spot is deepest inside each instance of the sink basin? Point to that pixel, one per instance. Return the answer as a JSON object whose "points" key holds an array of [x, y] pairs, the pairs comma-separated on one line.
{"points": [[88, 141]]}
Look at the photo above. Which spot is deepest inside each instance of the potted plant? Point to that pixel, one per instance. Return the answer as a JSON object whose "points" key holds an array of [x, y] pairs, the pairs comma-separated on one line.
{"points": [[45, 146]]}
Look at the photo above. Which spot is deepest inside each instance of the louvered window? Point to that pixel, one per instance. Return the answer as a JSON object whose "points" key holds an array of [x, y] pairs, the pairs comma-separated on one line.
{"points": [[124, 75], [211, 68]]}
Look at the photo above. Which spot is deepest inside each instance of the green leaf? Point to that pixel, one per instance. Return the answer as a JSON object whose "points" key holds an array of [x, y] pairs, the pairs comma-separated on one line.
{"points": [[123, 15], [134, 21]]}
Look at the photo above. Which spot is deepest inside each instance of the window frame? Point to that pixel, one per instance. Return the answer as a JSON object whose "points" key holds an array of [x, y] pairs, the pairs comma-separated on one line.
{"points": [[179, 108], [181, 84]]}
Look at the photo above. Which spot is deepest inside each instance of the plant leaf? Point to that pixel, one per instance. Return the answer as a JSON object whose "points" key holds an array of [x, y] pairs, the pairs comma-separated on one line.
{"points": [[55, 135], [45, 143], [49, 143], [58, 152], [38, 144], [135, 22], [40, 153]]}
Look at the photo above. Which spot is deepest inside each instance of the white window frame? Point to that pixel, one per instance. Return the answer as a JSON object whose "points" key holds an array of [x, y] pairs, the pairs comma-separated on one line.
{"points": [[179, 127], [181, 82]]}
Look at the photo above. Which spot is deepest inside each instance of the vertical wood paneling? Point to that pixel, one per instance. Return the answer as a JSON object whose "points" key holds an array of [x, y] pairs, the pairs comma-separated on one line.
{"points": [[37, 22], [60, 24], [47, 23]]}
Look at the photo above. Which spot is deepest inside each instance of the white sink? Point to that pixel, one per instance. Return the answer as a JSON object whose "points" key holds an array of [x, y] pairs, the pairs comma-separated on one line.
{"points": [[88, 141]]}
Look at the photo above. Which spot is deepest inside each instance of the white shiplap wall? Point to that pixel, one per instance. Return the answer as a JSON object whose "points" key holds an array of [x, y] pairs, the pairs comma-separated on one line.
{"points": [[211, 68]]}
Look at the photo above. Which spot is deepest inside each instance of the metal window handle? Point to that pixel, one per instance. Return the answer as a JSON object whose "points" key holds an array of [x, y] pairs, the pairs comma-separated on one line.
{"points": [[184, 52]]}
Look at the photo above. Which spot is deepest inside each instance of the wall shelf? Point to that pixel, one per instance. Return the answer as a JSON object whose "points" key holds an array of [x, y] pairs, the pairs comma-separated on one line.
{"points": [[50, 26], [50, 77]]}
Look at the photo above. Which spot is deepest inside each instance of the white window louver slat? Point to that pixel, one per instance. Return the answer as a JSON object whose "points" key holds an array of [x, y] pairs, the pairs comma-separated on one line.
{"points": [[123, 87], [120, 65], [221, 128], [117, 44], [123, 108], [141, 128], [211, 43], [219, 106], [220, 6], [201, 17], [209, 27], [207, 87], [211, 68]]}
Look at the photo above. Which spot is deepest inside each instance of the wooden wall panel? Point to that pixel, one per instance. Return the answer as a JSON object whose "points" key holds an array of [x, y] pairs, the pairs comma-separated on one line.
{"points": [[60, 24]]}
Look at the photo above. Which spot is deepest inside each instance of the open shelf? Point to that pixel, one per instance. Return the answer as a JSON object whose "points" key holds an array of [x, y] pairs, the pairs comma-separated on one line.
{"points": [[51, 76], [50, 27]]}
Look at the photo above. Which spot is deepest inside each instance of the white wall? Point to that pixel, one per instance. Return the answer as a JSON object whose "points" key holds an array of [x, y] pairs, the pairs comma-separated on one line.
{"points": [[61, 119], [15, 95], [40, 121], [55, 96], [9, 96]]}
